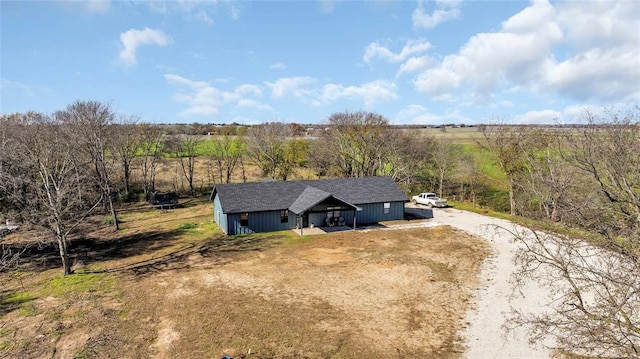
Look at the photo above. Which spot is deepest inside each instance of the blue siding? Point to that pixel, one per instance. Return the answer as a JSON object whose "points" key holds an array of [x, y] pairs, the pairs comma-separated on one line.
{"points": [[317, 219], [270, 220], [374, 212], [220, 217], [260, 222]]}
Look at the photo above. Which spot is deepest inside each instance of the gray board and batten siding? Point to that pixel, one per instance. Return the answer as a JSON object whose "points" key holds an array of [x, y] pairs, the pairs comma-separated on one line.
{"points": [[275, 205]]}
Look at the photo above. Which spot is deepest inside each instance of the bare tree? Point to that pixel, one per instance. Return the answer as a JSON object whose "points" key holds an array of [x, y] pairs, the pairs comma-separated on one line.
{"points": [[358, 140], [506, 143], [404, 155], [125, 145], [151, 145], [294, 155], [321, 158], [265, 144], [595, 310], [54, 190], [227, 154], [469, 175], [546, 179], [607, 153], [445, 159], [91, 125], [185, 147]]}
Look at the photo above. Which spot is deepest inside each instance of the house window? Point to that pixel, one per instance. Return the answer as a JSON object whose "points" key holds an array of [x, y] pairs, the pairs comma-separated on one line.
{"points": [[387, 207], [244, 219], [333, 212], [284, 216]]}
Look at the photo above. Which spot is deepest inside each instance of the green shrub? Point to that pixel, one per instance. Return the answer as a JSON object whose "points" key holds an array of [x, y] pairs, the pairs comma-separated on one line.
{"points": [[185, 226]]}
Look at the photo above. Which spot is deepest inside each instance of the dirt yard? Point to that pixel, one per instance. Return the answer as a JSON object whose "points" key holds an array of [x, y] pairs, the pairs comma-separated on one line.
{"points": [[194, 293]]}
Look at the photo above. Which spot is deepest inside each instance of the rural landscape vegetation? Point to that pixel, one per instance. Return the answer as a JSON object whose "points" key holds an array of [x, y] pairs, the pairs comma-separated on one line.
{"points": [[90, 269]]}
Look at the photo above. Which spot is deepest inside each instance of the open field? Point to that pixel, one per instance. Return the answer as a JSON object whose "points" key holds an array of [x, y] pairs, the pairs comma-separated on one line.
{"points": [[170, 285]]}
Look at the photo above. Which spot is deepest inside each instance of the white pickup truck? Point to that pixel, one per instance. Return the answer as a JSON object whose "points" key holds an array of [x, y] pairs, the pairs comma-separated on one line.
{"points": [[429, 199]]}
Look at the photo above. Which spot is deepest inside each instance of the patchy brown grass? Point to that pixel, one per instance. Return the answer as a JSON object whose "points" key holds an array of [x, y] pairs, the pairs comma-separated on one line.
{"points": [[173, 291]]}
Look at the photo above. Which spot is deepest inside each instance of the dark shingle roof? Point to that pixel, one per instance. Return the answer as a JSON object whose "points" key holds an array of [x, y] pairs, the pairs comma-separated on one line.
{"points": [[269, 196], [308, 198]]}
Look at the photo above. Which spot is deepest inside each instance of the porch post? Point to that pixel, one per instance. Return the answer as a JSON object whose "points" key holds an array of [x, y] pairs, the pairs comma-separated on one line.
{"points": [[354, 219], [301, 224]]}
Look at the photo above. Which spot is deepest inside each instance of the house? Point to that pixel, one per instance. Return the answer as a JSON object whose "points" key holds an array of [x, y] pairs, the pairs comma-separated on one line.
{"points": [[273, 206]]}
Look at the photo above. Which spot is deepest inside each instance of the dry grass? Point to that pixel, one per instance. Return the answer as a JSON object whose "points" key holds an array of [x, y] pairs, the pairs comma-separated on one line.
{"points": [[174, 291]]}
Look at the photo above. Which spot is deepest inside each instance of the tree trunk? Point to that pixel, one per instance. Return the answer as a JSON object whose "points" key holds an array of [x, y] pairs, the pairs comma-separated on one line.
{"points": [[114, 214], [62, 248], [512, 201], [126, 169]]}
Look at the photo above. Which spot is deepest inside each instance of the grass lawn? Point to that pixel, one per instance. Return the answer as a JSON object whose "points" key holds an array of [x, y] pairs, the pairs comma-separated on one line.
{"points": [[171, 285]]}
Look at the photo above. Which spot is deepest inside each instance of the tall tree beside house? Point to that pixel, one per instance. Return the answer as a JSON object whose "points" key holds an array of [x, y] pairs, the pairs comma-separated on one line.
{"points": [[404, 155], [321, 158], [358, 141], [265, 144], [51, 179], [91, 124], [294, 155]]}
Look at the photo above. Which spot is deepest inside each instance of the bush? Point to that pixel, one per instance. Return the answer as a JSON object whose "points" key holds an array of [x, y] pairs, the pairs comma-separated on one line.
{"points": [[184, 226]]}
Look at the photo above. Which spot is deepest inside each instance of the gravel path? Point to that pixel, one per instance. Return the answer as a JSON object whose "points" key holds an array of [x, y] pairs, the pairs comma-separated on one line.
{"points": [[485, 336]]}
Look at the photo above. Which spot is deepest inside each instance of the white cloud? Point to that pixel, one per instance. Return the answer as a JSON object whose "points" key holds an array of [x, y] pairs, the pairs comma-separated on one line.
{"points": [[199, 10], [291, 87], [327, 6], [133, 39], [420, 115], [370, 93], [235, 11], [204, 17], [202, 98], [446, 10], [248, 103], [547, 48], [412, 47], [278, 66], [97, 6], [414, 64], [9, 87], [538, 117]]}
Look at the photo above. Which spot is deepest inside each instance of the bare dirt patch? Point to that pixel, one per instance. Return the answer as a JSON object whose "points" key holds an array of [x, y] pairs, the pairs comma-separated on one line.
{"points": [[346, 295]]}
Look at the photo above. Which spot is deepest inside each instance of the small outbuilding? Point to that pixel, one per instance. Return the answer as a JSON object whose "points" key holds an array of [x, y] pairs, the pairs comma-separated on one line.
{"points": [[241, 208], [163, 199]]}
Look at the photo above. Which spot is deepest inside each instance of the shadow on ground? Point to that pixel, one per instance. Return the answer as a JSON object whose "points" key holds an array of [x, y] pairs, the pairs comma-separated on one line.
{"points": [[218, 250], [418, 213], [42, 256]]}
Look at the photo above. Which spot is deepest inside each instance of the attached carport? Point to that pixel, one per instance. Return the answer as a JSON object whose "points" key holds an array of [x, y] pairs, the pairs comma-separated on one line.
{"points": [[314, 200]]}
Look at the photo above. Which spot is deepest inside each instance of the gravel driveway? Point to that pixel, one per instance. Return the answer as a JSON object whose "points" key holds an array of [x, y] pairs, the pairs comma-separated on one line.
{"points": [[485, 335]]}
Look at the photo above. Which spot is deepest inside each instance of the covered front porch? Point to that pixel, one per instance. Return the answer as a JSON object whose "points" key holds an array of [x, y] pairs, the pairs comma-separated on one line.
{"points": [[311, 231], [321, 212]]}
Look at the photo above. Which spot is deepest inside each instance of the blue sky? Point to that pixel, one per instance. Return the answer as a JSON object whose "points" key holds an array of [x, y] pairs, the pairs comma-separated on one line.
{"points": [[415, 62]]}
